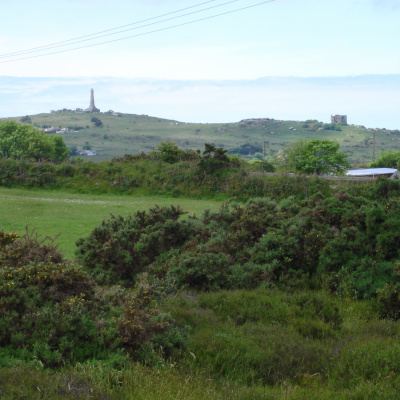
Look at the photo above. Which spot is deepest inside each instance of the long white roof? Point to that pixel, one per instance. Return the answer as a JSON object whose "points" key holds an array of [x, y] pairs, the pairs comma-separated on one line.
{"points": [[371, 171]]}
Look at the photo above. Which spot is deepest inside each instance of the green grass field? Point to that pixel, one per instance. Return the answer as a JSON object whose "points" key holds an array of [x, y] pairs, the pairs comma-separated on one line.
{"points": [[75, 215], [132, 134]]}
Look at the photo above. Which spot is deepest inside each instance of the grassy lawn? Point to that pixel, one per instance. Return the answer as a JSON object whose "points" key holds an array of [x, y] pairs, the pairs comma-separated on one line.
{"points": [[75, 215]]}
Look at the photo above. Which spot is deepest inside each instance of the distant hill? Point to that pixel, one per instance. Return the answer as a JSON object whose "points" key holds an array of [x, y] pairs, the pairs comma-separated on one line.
{"points": [[131, 134]]}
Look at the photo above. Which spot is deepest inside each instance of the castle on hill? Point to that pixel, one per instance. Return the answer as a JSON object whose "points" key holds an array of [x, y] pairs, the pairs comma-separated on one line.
{"points": [[339, 119]]}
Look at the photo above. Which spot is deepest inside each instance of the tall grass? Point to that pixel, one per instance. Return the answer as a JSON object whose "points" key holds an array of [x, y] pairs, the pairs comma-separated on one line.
{"points": [[269, 337], [261, 344]]}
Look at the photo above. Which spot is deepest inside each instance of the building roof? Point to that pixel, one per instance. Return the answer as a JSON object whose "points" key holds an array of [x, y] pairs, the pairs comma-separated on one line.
{"points": [[371, 171]]}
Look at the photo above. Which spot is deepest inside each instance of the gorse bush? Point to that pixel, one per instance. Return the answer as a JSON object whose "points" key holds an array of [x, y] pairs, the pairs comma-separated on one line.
{"points": [[344, 243], [389, 297], [121, 247], [53, 313], [30, 247], [45, 313], [146, 333], [6, 239]]}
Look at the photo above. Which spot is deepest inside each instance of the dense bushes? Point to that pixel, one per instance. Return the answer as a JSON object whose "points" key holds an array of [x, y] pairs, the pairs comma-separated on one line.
{"points": [[212, 174], [343, 243], [52, 312], [389, 297], [121, 247]]}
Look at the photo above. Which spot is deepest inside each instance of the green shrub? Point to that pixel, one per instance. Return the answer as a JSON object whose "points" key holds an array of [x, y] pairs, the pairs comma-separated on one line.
{"points": [[30, 247], [52, 311], [387, 159], [389, 297], [344, 243], [144, 332], [121, 247], [201, 270], [6, 239], [44, 309]]}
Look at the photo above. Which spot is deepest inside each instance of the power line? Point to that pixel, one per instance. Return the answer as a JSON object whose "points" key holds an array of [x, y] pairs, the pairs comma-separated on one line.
{"points": [[48, 47], [73, 40], [140, 34]]}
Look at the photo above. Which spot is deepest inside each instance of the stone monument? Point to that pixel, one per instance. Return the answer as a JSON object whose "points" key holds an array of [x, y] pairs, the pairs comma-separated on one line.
{"points": [[92, 107]]}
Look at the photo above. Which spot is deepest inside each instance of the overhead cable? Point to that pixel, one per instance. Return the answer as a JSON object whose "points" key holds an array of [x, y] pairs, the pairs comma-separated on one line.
{"points": [[77, 39], [140, 34]]}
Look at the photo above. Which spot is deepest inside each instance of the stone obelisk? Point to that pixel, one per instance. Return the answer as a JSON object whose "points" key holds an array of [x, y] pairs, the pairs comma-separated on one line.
{"points": [[92, 107]]}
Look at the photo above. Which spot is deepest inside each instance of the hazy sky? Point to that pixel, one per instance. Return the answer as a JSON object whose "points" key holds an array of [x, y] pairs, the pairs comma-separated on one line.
{"points": [[216, 60]]}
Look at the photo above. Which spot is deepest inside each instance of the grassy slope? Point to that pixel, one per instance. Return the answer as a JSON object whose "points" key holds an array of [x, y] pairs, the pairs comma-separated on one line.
{"points": [[74, 216], [130, 133]]}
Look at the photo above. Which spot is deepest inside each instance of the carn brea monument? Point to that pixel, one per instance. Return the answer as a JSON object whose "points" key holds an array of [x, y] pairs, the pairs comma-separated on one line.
{"points": [[92, 107]]}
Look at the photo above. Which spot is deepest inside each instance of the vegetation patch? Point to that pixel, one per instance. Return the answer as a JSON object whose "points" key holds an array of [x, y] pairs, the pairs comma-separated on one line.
{"points": [[289, 291]]}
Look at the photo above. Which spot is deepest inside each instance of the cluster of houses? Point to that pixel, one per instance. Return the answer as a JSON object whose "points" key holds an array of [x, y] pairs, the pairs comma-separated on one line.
{"points": [[52, 129], [86, 152]]}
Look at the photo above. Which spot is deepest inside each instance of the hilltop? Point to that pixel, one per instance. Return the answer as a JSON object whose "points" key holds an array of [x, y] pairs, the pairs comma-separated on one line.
{"points": [[122, 134]]}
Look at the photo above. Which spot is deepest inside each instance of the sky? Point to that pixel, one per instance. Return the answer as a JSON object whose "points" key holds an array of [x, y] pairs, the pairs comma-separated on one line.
{"points": [[283, 59]]}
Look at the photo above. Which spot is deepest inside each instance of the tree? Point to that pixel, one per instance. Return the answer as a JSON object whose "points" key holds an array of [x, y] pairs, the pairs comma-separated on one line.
{"points": [[97, 122], [387, 159], [213, 158], [332, 127], [73, 150], [60, 151], [24, 141], [27, 119], [169, 152], [315, 156]]}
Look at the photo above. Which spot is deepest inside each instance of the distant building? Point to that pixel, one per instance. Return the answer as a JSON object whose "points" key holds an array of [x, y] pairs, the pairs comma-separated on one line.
{"points": [[63, 130], [339, 119], [86, 152], [371, 172], [90, 109]]}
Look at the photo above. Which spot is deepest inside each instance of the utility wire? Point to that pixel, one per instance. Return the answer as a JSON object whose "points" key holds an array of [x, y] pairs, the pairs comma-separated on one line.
{"points": [[141, 34], [107, 30], [75, 41]]}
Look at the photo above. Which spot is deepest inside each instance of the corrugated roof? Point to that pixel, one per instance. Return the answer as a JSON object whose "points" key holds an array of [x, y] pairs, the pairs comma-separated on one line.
{"points": [[371, 171]]}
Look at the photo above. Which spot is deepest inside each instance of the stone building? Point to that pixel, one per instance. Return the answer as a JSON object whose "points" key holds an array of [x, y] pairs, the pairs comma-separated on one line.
{"points": [[339, 119]]}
